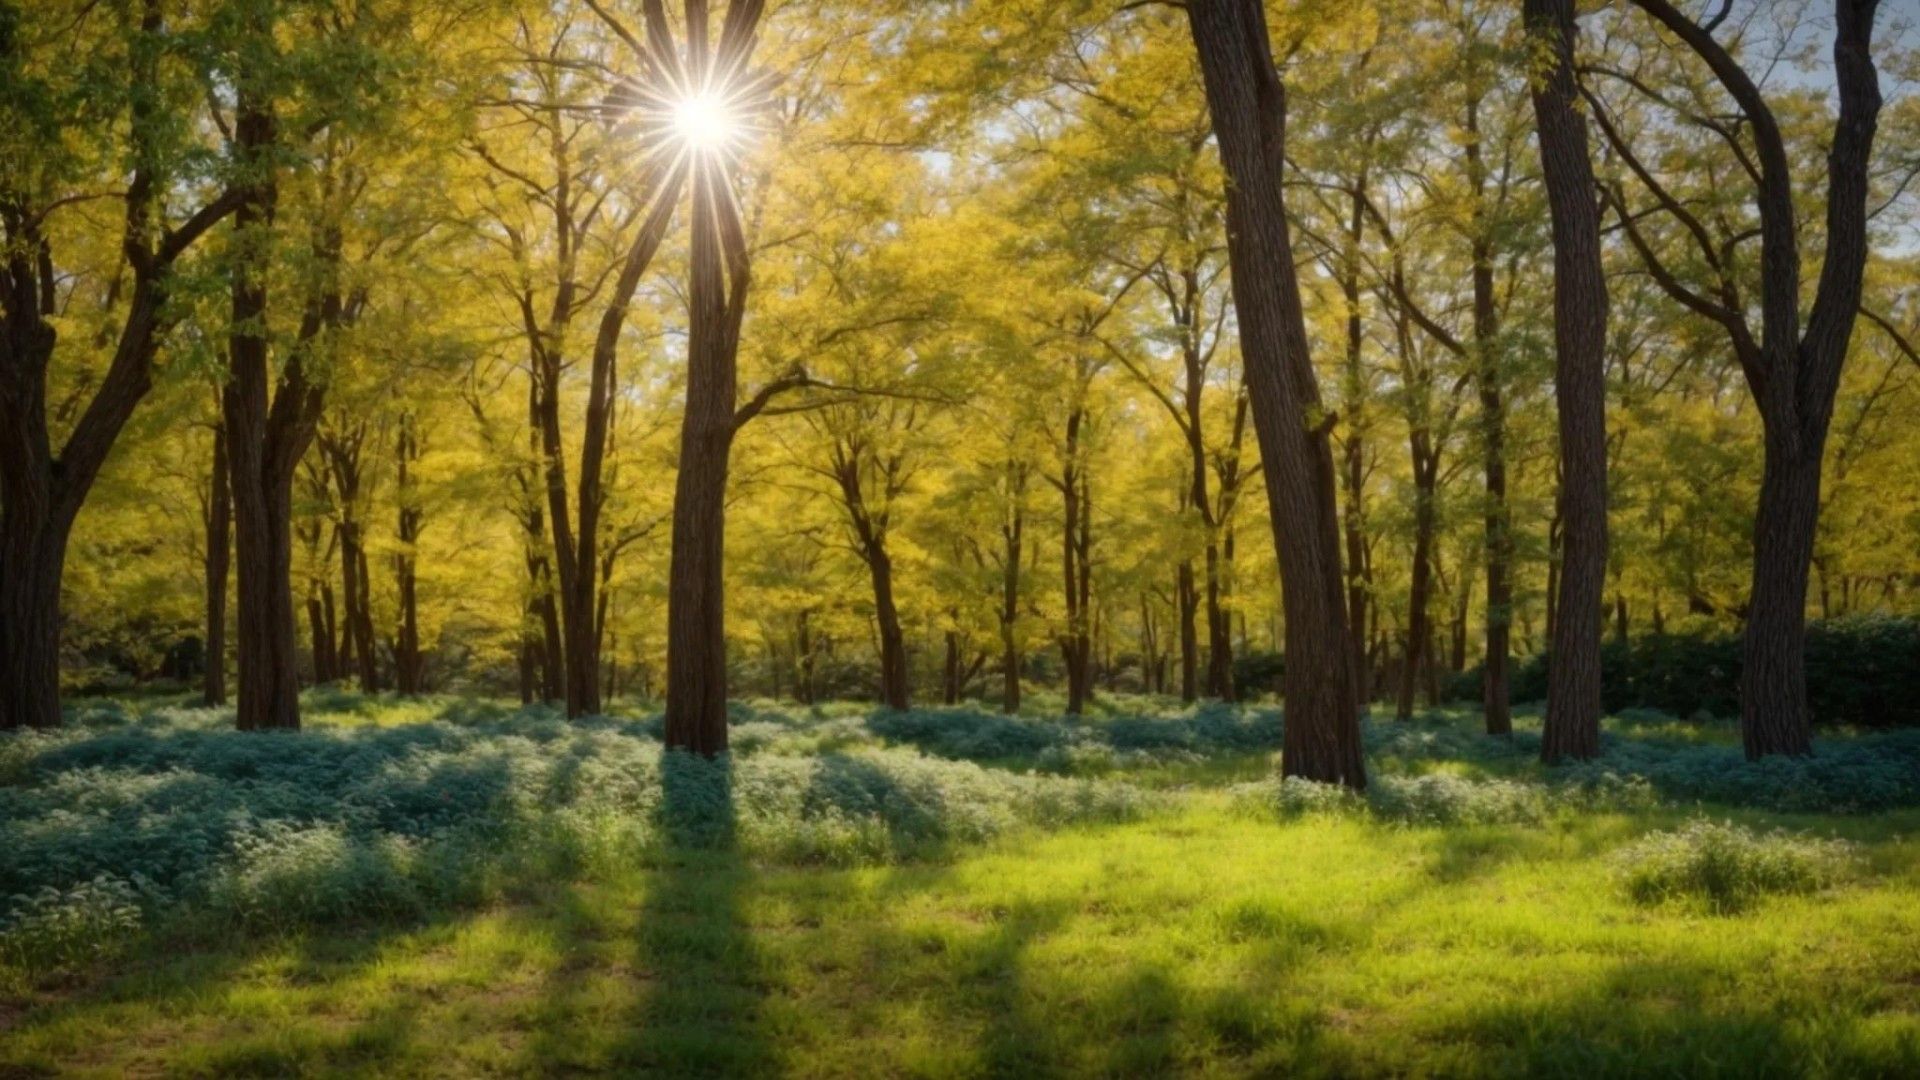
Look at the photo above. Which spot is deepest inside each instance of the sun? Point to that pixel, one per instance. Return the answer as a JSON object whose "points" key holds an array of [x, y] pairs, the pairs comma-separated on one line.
{"points": [[704, 121]]}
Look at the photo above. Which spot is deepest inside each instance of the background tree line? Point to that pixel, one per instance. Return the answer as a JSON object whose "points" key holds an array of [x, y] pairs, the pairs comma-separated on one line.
{"points": [[385, 314]]}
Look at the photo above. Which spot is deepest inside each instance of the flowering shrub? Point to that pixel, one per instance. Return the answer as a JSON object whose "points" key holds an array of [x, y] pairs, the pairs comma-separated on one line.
{"points": [[278, 830], [1726, 866]]}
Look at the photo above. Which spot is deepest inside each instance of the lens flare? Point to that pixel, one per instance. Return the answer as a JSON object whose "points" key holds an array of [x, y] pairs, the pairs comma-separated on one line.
{"points": [[704, 122]]}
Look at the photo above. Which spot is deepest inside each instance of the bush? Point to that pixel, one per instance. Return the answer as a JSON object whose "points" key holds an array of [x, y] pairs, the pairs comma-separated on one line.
{"points": [[1083, 745], [1862, 671], [1726, 866], [1256, 673], [1446, 799], [1850, 775], [105, 827]]}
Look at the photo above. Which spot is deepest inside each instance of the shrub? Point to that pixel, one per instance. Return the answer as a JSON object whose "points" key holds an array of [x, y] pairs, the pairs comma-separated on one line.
{"points": [[104, 827], [52, 926], [1442, 799], [1862, 671], [1861, 774], [1726, 866], [1296, 796]]}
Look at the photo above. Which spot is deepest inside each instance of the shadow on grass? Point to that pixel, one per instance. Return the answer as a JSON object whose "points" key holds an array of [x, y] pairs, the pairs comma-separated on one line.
{"points": [[699, 975], [1673, 1018]]}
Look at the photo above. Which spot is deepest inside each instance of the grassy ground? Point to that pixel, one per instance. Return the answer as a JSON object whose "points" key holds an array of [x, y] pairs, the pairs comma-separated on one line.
{"points": [[1205, 938]]}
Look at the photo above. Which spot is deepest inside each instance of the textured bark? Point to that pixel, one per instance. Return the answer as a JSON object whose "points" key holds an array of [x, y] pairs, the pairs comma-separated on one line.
{"points": [[266, 438], [1247, 102], [696, 716], [1580, 337], [219, 556]]}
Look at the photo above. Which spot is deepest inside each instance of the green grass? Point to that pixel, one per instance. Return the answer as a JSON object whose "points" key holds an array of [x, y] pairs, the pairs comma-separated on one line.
{"points": [[1211, 937]]}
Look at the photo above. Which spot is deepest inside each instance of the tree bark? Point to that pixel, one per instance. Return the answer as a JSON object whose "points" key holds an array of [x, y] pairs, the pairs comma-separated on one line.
{"points": [[1580, 336], [1076, 547], [1012, 530], [1247, 102], [266, 439], [408, 665], [219, 523], [1419, 642], [696, 716], [1186, 606]]}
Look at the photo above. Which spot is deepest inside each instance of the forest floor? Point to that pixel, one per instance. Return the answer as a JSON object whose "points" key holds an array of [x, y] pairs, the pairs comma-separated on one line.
{"points": [[456, 888]]}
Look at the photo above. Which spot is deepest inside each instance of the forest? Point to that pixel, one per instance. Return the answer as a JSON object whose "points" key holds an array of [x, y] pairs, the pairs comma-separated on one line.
{"points": [[959, 537]]}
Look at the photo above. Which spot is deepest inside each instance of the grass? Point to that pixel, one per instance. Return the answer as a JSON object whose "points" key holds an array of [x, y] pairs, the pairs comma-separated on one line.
{"points": [[1211, 933]]}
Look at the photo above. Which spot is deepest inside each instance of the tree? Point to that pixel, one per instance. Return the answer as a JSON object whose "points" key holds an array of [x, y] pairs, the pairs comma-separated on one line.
{"points": [[1580, 343], [1247, 101], [41, 489], [1792, 373]]}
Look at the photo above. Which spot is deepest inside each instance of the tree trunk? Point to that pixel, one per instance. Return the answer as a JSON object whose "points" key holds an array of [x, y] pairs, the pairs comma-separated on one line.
{"points": [[1773, 682], [1353, 473], [1076, 575], [696, 716], [267, 437], [408, 665], [1792, 375], [213, 691], [804, 659], [322, 637], [1219, 630], [1010, 661], [1248, 106], [1186, 605], [950, 673], [893, 643], [1580, 337], [30, 609], [1419, 642], [41, 492]]}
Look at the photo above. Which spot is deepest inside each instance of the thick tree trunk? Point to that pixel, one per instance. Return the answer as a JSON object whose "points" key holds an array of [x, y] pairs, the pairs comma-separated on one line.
{"points": [[219, 523], [696, 605], [1248, 106], [696, 717], [1580, 337], [30, 571], [1773, 682], [263, 503], [266, 437]]}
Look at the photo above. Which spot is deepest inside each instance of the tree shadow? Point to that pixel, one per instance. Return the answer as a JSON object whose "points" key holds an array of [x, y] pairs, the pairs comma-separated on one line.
{"points": [[702, 985]]}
